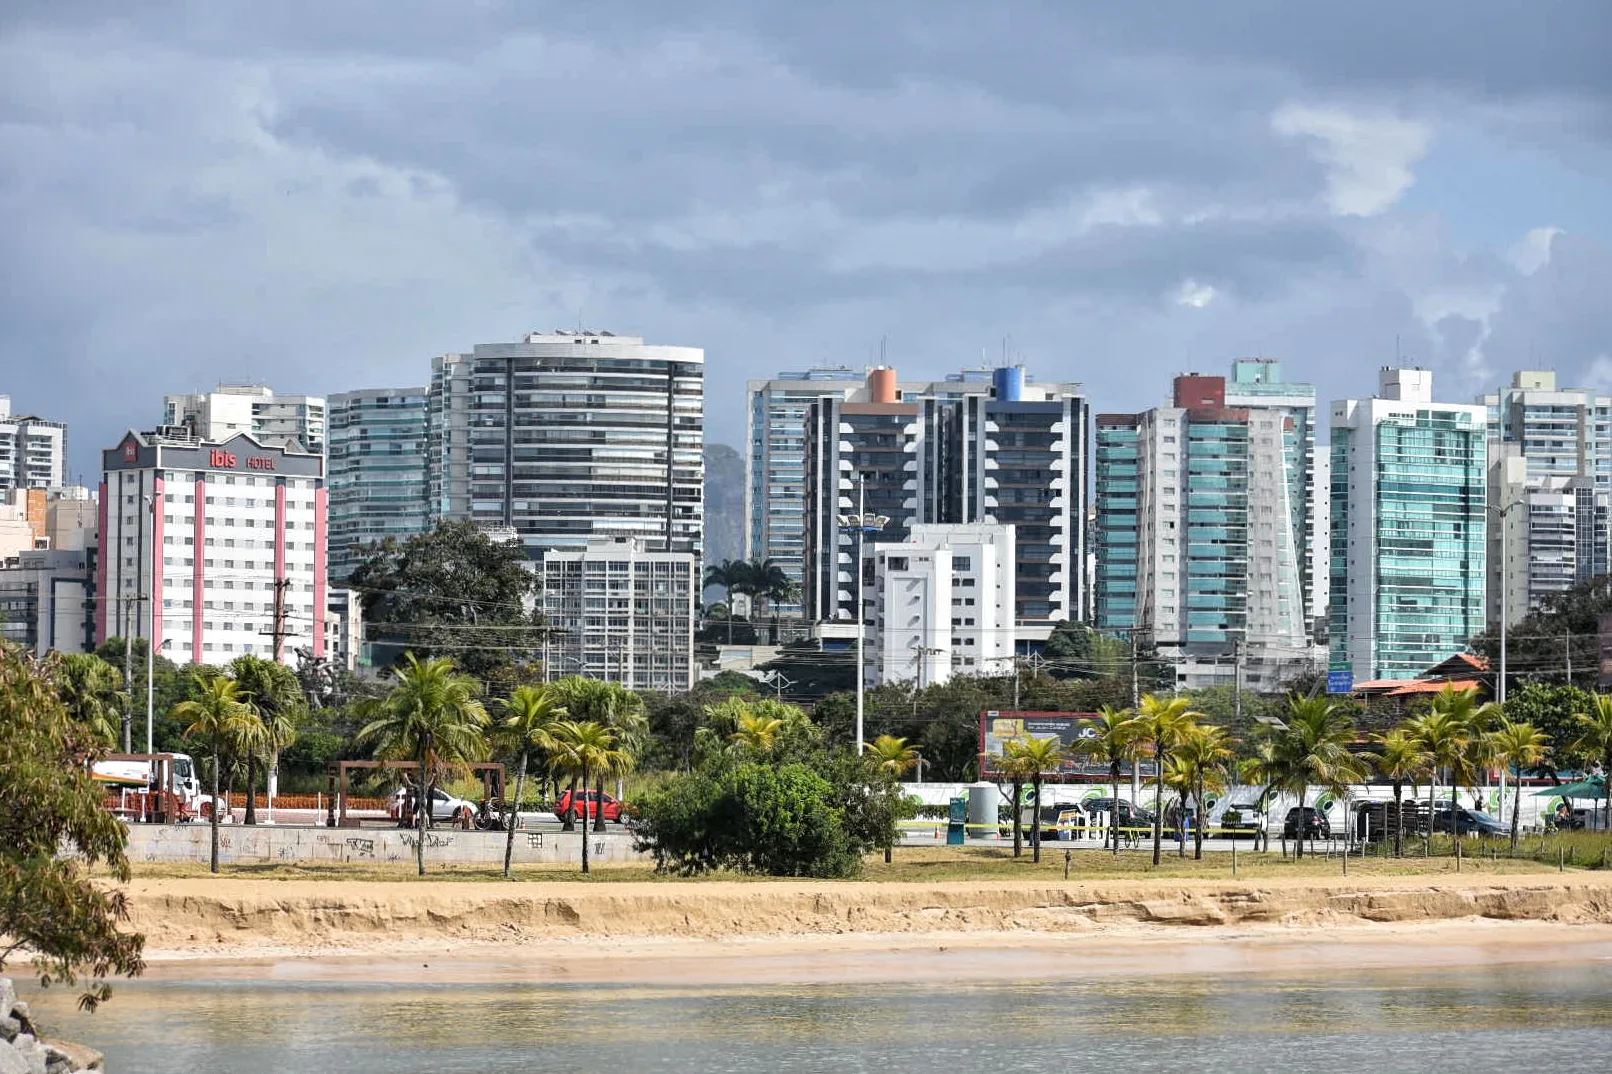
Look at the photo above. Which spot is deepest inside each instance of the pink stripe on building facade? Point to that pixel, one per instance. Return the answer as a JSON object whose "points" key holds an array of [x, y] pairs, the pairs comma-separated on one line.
{"points": [[103, 601], [157, 601], [198, 575], [321, 506]]}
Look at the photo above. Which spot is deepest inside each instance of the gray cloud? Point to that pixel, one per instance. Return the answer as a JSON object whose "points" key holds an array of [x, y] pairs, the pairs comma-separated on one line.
{"points": [[323, 197]]}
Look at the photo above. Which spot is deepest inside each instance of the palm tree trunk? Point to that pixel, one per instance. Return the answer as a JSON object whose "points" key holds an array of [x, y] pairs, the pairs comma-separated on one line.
{"points": [[1432, 786], [1516, 813], [514, 812], [215, 808], [422, 812], [1035, 821], [251, 788], [1298, 843], [729, 591], [1399, 821], [1158, 808], [598, 804], [568, 822], [1018, 821], [1113, 816], [1197, 828], [1455, 821], [584, 821]]}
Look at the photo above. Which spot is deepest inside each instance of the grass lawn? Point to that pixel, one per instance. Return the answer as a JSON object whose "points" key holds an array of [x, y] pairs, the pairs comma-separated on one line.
{"points": [[917, 865]]}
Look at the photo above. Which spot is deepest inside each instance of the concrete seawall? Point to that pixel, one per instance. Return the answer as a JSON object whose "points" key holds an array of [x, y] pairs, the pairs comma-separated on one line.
{"points": [[240, 844]]}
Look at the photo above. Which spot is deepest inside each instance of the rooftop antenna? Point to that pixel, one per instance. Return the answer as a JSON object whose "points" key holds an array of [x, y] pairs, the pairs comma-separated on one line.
{"points": [[882, 340]]}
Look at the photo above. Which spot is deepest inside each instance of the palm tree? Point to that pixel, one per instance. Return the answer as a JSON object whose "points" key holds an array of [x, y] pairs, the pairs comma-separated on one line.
{"points": [[1263, 769], [1016, 768], [530, 715], [215, 716], [432, 716], [893, 758], [1038, 756], [1400, 758], [618, 710], [1518, 745], [757, 734], [272, 692], [726, 574], [582, 748], [1161, 723], [1449, 732], [1596, 741], [1313, 750], [1202, 757], [1113, 743], [90, 690]]}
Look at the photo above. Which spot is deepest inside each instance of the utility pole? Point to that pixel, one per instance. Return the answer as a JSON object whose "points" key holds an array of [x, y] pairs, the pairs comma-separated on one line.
{"points": [[1567, 645], [1136, 703], [279, 632], [1237, 678], [128, 672]]}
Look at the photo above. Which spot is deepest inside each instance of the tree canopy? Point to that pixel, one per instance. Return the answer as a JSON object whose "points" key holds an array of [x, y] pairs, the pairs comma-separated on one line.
{"points": [[453, 592], [49, 906]]}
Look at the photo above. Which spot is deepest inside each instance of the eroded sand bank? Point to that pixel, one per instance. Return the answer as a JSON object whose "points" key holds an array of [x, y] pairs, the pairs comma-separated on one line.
{"points": [[598, 931]]}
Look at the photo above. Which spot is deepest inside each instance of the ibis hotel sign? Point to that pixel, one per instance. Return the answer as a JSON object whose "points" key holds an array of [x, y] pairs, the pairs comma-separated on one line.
{"points": [[219, 459], [239, 454]]}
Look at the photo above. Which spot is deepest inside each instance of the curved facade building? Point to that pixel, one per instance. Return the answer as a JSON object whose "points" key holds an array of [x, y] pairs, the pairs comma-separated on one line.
{"points": [[568, 436]]}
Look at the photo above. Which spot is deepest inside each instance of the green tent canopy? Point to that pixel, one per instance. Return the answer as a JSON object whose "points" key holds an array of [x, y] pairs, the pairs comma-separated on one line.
{"points": [[1594, 787]]}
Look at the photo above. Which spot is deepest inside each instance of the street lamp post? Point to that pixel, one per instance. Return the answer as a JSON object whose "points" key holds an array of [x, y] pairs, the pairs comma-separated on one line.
{"points": [[1505, 614], [861, 524]]}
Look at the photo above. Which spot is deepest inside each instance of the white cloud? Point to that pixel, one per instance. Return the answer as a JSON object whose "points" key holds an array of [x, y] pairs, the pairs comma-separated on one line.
{"points": [[1532, 252], [1194, 294], [1368, 157]]}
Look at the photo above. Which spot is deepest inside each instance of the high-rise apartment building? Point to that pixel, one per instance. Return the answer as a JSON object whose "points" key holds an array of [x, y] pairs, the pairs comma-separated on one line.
{"points": [[1547, 533], [1203, 514], [1409, 528], [33, 451], [568, 436], [621, 613], [229, 409], [985, 447], [378, 483], [942, 603], [1550, 454], [775, 464], [228, 538]]}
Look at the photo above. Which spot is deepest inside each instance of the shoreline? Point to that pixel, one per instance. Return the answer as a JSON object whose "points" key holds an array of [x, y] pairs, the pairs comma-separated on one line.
{"points": [[678, 929], [978, 958]]}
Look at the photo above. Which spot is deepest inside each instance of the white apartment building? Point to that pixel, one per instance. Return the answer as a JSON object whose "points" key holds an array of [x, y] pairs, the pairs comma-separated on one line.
{"points": [[621, 613], [229, 538], [941, 603], [47, 600], [1547, 533], [33, 451], [220, 414]]}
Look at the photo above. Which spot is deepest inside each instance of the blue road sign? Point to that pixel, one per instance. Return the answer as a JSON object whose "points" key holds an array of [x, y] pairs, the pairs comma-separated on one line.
{"points": [[1340, 682]]}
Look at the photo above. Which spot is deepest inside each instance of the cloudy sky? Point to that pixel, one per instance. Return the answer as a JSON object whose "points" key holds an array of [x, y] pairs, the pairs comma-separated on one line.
{"points": [[323, 195]]}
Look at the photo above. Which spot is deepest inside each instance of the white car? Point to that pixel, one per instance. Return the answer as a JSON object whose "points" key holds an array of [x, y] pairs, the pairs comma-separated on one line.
{"points": [[1243, 819], [444, 806]]}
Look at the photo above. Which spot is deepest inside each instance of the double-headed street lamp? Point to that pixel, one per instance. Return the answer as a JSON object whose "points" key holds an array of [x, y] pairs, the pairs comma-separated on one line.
{"points": [[860, 524]]}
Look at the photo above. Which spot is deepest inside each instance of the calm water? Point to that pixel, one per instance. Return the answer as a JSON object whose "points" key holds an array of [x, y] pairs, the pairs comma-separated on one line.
{"points": [[1497, 1019]]}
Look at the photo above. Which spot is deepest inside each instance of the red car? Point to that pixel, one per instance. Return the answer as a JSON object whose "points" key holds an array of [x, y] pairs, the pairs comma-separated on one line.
{"points": [[592, 803]]}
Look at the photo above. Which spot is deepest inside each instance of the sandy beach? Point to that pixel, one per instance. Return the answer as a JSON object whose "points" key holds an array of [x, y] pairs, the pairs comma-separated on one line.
{"points": [[726, 932]]}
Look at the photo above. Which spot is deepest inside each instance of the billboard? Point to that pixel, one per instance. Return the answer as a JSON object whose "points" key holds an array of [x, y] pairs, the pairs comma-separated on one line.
{"points": [[998, 728]]}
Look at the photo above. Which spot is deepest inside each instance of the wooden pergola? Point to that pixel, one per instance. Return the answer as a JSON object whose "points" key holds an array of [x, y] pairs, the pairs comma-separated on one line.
{"points": [[491, 773]]}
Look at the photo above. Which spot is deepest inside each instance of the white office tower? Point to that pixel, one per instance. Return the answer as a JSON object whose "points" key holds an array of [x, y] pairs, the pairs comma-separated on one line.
{"points": [[621, 613], [228, 539], [568, 436], [941, 604], [33, 451], [230, 409], [1409, 534]]}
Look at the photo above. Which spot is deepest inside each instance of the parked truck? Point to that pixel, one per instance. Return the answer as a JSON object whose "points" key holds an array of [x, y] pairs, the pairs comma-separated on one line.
{"points": [[154, 787]]}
